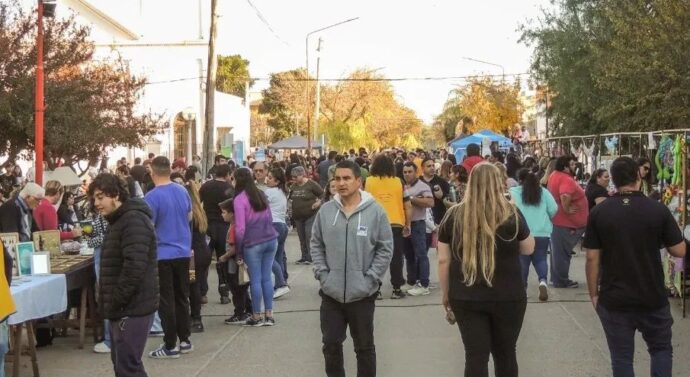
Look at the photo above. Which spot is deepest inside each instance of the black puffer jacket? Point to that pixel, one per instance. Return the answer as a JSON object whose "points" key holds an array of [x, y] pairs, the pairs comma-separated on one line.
{"points": [[129, 263]]}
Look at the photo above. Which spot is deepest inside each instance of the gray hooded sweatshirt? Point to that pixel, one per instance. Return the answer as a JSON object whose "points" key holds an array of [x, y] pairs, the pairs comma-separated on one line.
{"points": [[351, 253]]}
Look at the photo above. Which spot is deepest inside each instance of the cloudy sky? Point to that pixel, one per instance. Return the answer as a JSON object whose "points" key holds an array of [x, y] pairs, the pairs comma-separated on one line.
{"points": [[403, 39]]}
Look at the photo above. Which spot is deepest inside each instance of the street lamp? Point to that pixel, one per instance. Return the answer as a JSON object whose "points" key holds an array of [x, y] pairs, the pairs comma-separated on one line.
{"points": [[45, 8], [306, 44], [189, 115], [503, 70]]}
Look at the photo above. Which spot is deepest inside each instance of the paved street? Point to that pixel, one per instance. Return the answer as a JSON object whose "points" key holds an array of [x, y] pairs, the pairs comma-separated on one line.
{"points": [[559, 338]]}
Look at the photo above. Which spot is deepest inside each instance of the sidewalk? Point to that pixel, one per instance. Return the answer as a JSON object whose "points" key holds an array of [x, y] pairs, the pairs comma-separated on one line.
{"points": [[560, 338]]}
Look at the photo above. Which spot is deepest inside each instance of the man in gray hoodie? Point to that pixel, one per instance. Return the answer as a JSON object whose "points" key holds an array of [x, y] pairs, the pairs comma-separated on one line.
{"points": [[351, 247]]}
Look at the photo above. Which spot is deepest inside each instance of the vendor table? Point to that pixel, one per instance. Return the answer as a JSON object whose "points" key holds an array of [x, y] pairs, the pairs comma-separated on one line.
{"points": [[35, 297]]}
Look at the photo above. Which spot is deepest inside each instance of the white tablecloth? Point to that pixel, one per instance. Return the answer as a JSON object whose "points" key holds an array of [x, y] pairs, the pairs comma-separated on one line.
{"points": [[38, 297]]}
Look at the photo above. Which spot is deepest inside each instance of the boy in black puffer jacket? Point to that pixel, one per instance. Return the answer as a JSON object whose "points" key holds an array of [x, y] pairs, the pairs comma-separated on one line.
{"points": [[129, 272]]}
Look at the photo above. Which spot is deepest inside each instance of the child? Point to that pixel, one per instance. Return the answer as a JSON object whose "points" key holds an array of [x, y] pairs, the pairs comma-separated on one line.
{"points": [[240, 294]]}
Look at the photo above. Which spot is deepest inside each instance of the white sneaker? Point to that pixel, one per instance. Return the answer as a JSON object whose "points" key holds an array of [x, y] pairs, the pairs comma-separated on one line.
{"points": [[418, 290], [280, 292], [543, 291], [101, 348], [406, 287], [433, 286]]}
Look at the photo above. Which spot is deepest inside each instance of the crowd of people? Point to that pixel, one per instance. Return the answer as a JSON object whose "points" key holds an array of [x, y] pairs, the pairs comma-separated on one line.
{"points": [[157, 226]]}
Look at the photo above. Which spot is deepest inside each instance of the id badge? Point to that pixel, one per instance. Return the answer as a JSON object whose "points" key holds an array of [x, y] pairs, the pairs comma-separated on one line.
{"points": [[362, 231]]}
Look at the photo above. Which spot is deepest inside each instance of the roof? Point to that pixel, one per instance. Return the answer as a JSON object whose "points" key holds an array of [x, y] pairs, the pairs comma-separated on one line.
{"points": [[294, 142]]}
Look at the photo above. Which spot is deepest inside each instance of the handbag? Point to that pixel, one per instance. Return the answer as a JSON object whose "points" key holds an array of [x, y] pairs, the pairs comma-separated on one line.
{"points": [[243, 274]]}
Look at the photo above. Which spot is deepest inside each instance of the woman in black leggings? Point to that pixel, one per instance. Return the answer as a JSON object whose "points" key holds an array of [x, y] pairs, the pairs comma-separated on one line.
{"points": [[480, 274]]}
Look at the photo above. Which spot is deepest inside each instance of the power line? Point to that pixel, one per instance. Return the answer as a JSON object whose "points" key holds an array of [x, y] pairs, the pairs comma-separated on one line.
{"points": [[371, 79], [265, 22]]}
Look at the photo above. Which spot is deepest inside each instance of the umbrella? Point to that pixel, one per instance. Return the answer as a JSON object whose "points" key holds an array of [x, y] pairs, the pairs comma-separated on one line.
{"points": [[64, 175]]}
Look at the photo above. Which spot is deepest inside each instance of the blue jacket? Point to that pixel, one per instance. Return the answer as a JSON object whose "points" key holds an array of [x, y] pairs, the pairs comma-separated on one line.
{"points": [[538, 217]]}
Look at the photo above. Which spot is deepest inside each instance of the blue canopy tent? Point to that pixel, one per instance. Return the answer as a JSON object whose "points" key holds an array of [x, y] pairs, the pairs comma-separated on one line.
{"points": [[459, 145]]}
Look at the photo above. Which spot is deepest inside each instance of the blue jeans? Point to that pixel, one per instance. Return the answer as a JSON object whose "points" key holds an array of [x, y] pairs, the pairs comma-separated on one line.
{"points": [[106, 323], [281, 258], [259, 259], [4, 345], [416, 255], [655, 327], [538, 259]]}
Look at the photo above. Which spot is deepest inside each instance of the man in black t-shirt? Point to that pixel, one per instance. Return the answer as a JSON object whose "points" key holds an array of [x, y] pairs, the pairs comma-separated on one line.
{"points": [[211, 194], [439, 188], [623, 237]]}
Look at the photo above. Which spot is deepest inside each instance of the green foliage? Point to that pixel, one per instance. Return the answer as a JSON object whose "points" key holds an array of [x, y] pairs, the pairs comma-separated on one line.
{"points": [[614, 65], [89, 105], [233, 74]]}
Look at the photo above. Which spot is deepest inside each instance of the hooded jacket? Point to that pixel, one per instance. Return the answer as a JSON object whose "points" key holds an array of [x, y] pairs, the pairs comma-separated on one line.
{"points": [[129, 262], [351, 253]]}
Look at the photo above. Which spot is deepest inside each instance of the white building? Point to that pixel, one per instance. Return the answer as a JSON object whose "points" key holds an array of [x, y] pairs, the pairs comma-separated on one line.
{"points": [[167, 42]]}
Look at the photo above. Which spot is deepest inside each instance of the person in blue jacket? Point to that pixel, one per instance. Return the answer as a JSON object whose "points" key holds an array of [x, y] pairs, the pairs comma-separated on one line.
{"points": [[539, 207]]}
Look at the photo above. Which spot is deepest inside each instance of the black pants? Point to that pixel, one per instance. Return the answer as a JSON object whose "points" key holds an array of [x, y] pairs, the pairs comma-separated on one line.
{"points": [[218, 232], [489, 327], [173, 277], [241, 299], [202, 260], [335, 318], [398, 261], [128, 342]]}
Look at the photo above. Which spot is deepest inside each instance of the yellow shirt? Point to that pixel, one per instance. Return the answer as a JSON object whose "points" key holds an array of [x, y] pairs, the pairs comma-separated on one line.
{"points": [[6, 302], [418, 163], [389, 193]]}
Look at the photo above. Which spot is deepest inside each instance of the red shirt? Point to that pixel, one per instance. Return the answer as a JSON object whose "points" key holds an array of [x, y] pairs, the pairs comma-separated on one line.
{"points": [[469, 162], [561, 183], [46, 218]]}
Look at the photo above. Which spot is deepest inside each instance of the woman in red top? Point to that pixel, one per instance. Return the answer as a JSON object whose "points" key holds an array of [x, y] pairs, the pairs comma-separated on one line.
{"points": [[45, 213]]}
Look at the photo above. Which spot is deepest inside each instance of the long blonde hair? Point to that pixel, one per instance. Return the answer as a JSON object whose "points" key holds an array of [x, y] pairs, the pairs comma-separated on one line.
{"points": [[198, 214], [476, 219]]}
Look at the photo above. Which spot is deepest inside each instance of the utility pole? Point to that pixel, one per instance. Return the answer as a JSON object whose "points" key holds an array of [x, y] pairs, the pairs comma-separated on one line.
{"points": [[39, 104], [318, 93], [209, 121]]}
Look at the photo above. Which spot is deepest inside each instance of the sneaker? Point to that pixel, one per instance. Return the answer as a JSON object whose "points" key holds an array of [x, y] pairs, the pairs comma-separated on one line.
{"points": [[543, 291], [280, 292], [433, 286], [101, 348], [379, 296], [224, 300], [301, 261], [204, 300], [307, 262], [156, 334], [164, 353], [251, 322], [237, 319], [269, 321], [572, 284], [197, 326], [406, 287], [186, 347], [397, 294], [418, 290]]}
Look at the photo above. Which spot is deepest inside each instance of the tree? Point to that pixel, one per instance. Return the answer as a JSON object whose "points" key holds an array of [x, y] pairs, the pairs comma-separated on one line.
{"points": [[285, 103], [614, 65], [233, 74], [481, 103], [89, 105]]}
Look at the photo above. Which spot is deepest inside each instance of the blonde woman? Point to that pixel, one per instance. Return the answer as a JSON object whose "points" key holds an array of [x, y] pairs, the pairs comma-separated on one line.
{"points": [[550, 167], [202, 258], [480, 274]]}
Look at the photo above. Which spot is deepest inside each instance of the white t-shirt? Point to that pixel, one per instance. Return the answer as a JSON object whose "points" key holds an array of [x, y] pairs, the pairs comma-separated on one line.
{"points": [[277, 201]]}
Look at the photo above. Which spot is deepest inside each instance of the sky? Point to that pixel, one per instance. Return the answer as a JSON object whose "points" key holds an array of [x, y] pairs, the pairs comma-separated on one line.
{"points": [[401, 39]]}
